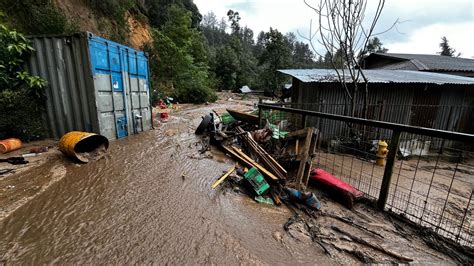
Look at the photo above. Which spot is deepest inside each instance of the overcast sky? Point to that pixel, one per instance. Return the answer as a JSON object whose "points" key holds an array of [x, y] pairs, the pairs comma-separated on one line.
{"points": [[424, 22]]}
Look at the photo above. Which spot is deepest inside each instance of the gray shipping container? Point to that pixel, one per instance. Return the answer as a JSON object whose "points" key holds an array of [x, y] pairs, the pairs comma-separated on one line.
{"points": [[94, 85]]}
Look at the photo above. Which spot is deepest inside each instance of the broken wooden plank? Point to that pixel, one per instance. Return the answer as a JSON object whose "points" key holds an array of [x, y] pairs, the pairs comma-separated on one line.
{"points": [[238, 157], [283, 170], [311, 153], [220, 180], [298, 133], [304, 159], [296, 146], [255, 164], [269, 162]]}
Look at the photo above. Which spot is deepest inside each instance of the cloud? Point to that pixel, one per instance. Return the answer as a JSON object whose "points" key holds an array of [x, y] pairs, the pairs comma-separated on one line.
{"points": [[424, 21], [426, 40]]}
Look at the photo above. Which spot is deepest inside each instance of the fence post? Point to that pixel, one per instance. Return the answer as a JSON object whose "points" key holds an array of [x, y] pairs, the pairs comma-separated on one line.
{"points": [[464, 217], [303, 121], [387, 174], [260, 124]]}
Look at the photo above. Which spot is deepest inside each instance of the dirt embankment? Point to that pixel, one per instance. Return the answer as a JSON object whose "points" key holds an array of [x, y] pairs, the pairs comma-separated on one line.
{"points": [[140, 32], [81, 14]]}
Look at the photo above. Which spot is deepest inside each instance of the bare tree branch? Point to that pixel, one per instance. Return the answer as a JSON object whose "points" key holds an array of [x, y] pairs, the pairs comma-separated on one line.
{"points": [[343, 33]]}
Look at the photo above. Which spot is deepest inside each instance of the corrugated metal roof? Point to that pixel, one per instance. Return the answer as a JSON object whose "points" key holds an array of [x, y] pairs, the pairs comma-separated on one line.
{"points": [[378, 76], [431, 62]]}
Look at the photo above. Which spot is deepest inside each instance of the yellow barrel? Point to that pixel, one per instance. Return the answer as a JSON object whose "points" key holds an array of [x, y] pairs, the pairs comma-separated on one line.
{"points": [[11, 144], [83, 145]]}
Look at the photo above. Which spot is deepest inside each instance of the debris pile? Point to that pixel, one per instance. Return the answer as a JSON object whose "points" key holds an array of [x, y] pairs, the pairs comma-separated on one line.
{"points": [[260, 154], [273, 165]]}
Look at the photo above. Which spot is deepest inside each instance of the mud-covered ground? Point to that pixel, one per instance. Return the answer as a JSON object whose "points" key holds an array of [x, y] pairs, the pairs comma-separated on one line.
{"points": [[149, 200], [420, 188]]}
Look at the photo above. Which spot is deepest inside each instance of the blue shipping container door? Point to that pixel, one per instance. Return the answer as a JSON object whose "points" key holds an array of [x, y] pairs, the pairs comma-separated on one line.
{"points": [[121, 86]]}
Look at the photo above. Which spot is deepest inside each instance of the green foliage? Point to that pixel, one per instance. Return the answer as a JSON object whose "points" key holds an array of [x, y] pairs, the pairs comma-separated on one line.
{"points": [[446, 50], [21, 95], [237, 60], [112, 8], [159, 11], [374, 45], [179, 60], [276, 55], [36, 17]]}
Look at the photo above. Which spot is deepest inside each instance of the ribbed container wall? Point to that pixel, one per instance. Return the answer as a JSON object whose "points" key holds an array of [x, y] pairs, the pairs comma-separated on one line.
{"points": [[94, 85], [63, 61]]}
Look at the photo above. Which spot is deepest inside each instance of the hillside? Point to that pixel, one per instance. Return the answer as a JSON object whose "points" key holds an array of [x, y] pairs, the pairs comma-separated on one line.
{"points": [[191, 56], [125, 25]]}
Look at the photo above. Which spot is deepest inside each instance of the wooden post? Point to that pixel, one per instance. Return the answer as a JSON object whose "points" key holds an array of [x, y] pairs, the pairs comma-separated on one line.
{"points": [[387, 174], [304, 159], [260, 122], [303, 121], [441, 150], [311, 153]]}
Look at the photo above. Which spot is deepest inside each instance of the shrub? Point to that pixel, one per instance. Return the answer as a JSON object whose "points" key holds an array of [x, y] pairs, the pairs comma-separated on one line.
{"points": [[22, 96], [37, 17]]}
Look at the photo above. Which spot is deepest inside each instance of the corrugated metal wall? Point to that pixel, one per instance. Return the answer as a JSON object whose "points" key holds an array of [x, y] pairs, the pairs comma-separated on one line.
{"points": [[64, 63], [399, 103], [94, 85], [121, 82]]}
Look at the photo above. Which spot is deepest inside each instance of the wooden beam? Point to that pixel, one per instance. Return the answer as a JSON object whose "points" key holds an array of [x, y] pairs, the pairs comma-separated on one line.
{"points": [[311, 153], [220, 180], [297, 134], [269, 162], [238, 157], [304, 159], [255, 164]]}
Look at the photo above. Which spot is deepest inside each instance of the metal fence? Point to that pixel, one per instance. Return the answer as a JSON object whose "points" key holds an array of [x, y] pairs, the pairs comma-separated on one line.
{"points": [[445, 117], [424, 179]]}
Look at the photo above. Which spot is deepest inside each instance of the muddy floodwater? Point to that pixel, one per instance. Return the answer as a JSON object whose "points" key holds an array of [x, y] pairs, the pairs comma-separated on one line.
{"points": [[148, 200]]}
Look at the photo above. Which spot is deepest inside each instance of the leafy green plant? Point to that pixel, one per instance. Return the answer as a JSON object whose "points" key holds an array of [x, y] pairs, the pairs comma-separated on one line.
{"points": [[37, 17], [178, 58], [22, 95]]}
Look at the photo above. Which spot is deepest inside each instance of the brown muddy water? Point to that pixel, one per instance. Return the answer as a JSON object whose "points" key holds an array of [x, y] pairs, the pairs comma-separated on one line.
{"points": [[135, 206]]}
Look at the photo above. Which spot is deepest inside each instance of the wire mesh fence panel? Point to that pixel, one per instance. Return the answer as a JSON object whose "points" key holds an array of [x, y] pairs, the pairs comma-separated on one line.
{"points": [[432, 179]]}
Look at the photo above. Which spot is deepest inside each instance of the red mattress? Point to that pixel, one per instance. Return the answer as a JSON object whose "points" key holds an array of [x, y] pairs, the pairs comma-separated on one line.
{"points": [[323, 178]]}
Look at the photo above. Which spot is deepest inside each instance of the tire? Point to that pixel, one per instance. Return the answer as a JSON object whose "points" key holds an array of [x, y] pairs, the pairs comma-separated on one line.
{"points": [[205, 123]]}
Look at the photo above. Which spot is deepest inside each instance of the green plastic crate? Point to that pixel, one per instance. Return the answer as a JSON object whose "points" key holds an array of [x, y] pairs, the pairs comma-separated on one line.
{"points": [[256, 180], [226, 118]]}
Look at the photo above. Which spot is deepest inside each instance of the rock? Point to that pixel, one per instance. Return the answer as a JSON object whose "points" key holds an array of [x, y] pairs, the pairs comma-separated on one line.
{"points": [[278, 236]]}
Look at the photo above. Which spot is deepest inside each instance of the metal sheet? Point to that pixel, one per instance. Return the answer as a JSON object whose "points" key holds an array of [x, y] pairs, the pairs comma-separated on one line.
{"points": [[378, 76], [90, 80], [63, 61]]}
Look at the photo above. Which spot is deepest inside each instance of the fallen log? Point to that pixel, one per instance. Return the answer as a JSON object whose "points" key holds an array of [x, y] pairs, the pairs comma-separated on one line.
{"points": [[350, 222], [371, 245]]}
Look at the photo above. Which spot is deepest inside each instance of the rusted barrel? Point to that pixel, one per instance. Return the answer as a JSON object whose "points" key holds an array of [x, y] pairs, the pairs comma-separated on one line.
{"points": [[8, 145], [83, 146]]}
